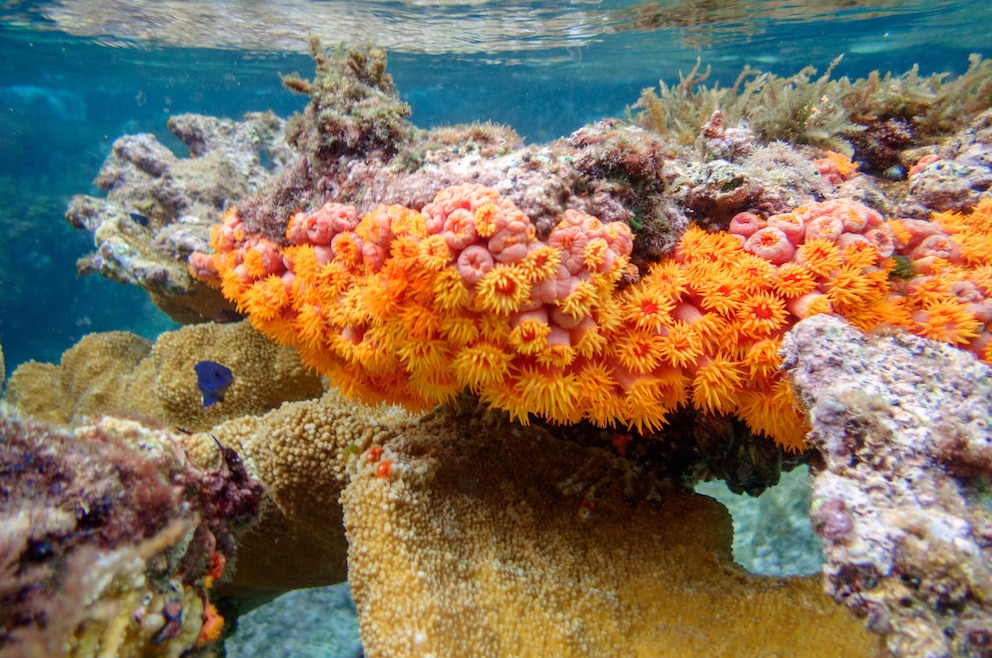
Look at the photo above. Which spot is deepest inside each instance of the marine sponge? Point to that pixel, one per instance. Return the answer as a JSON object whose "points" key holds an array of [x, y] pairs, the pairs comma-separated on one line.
{"points": [[413, 307]]}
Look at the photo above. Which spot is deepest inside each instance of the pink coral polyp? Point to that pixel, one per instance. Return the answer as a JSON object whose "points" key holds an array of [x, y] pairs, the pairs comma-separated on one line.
{"points": [[473, 263], [772, 244]]}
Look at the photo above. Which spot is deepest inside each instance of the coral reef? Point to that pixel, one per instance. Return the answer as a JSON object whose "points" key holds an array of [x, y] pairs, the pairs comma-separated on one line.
{"points": [[111, 539], [159, 207], [356, 146], [611, 351], [123, 374], [330, 445], [901, 498]]}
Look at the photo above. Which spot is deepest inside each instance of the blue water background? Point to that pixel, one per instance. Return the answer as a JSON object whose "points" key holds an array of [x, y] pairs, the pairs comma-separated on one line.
{"points": [[64, 99]]}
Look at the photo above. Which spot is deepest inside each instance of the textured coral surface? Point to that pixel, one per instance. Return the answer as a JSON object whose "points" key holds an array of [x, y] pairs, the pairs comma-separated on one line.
{"points": [[903, 425], [482, 538], [123, 374], [299, 451]]}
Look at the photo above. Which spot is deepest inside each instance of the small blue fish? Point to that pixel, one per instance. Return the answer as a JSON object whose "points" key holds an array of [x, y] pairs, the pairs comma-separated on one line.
{"points": [[213, 379], [138, 218]]}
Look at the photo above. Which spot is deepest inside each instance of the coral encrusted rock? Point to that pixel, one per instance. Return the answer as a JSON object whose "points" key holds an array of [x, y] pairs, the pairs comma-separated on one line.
{"points": [[901, 501]]}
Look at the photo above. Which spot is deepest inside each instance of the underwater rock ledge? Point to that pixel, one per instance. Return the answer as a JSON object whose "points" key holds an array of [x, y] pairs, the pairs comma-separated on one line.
{"points": [[902, 425]]}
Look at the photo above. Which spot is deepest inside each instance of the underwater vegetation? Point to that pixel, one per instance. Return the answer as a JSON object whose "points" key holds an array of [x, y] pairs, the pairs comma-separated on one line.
{"points": [[479, 378], [869, 119]]}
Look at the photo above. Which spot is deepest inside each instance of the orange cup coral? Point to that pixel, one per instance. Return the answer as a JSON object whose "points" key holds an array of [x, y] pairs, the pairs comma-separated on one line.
{"points": [[414, 306]]}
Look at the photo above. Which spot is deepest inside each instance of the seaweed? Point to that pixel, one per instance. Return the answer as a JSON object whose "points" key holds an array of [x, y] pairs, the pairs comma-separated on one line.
{"points": [[820, 110], [354, 109], [800, 110], [681, 109]]}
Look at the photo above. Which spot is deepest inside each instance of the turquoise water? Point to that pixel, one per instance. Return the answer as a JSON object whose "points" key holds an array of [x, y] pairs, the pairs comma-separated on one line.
{"points": [[75, 75]]}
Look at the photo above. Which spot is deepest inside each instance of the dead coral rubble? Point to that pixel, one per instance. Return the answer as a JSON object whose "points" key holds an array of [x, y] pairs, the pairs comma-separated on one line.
{"points": [[110, 538], [159, 207], [903, 425]]}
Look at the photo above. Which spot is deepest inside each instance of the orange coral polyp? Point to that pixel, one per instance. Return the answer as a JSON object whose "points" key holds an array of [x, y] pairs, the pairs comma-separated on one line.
{"points": [[434, 253], [820, 256], [581, 301], [681, 346], [212, 627], [553, 394], [947, 321], [502, 290], [267, 298], [761, 314], [530, 336], [639, 351], [541, 263], [794, 280], [646, 309], [388, 308], [482, 365], [486, 218], [715, 386]]}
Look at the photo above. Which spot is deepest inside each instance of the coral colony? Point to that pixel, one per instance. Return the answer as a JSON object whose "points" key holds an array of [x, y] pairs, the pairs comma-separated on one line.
{"points": [[728, 283], [414, 306]]}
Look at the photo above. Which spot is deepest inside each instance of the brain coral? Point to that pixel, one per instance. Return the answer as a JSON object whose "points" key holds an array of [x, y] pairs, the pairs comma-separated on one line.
{"points": [[414, 306]]}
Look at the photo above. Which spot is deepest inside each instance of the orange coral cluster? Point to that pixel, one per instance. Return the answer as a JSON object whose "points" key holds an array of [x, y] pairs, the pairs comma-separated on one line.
{"points": [[950, 292], [835, 168], [412, 307]]}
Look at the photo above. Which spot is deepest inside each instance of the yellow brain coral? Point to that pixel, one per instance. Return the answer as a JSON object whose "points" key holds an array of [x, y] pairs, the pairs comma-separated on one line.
{"points": [[414, 306]]}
